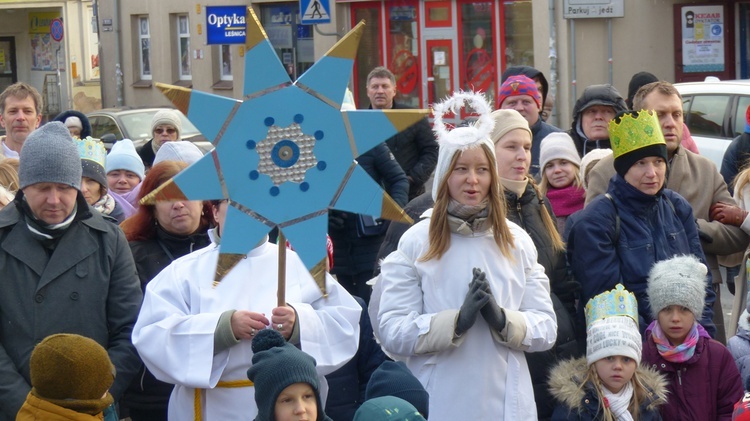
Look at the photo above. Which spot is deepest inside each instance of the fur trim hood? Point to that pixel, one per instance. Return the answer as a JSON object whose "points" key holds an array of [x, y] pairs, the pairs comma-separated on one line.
{"points": [[565, 384]]}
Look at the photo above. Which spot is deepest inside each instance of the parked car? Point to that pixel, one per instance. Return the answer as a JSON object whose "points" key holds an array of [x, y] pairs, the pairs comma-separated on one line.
{"points": [[715, 113], [113, 124]]}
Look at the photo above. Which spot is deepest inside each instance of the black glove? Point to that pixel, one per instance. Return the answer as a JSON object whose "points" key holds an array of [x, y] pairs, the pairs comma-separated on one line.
{"points": [[475, 299], [492, 313], [336, 220]]}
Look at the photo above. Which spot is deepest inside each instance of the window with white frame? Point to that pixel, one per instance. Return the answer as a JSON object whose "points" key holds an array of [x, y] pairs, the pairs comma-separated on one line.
{"points": [[91, 46], [225, 62], [144, 41], [183, 46]]}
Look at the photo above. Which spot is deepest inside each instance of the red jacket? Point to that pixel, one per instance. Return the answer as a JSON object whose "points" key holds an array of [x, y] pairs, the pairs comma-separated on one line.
{"points": [[704, 388]]}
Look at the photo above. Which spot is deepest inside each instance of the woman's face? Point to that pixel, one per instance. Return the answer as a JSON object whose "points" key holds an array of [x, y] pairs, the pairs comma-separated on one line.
{"points": [[513, 153], [469, 181], [91, 189], [560, 173], [179, 217], [615, 371], [647, 174], [122, 181]]}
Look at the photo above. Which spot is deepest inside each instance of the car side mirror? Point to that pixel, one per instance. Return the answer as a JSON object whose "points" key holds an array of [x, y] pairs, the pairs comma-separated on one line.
{"points": [[109, 138]]}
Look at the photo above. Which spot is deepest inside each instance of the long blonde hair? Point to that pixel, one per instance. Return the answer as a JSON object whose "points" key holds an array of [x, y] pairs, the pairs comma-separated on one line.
{"points": [[439, 232], [639, 394], [545, 185]]}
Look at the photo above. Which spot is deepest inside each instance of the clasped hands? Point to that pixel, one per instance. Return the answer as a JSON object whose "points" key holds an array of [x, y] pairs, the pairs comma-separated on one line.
{"points": [[479, 300], [728, 214], [245, 324]]}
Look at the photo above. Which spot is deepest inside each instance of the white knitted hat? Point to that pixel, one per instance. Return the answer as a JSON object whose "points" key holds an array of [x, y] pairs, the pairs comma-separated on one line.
{"points": [[461, 138], [558, 145], [610, 336], [506, 121], [681, 281], [124, 157], [184, 151]]}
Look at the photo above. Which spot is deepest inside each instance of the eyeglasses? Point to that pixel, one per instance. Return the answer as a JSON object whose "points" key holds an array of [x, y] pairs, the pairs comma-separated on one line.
{"points": [[160, 131]]}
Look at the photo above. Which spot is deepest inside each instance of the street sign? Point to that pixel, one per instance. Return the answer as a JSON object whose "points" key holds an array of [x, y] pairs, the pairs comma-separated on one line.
{"points": [[581, 9], [56, 29], [315, 11]]}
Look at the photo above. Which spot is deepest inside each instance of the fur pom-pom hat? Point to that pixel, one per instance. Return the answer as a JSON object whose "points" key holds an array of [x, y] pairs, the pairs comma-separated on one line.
{"points": [[680, 281], [461, 138]]}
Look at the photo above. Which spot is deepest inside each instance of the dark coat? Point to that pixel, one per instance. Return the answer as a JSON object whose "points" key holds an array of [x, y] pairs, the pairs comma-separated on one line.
{"points": [[652, 228], [526, 212], [352, 253], [593, 95], [346, 386], [416, 151], [582, 404], [151, 257], [87, 286], [539, 131], [735, 159], [86, 130], [705, 387], [147, 154]]}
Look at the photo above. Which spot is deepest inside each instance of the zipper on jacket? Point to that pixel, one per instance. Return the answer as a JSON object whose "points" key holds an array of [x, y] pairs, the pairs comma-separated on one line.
{"points": [[520, 216], [679, 376]]}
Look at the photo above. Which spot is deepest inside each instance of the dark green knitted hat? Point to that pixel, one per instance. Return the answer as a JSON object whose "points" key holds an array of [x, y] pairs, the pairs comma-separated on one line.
{"points": [[276, 365]]}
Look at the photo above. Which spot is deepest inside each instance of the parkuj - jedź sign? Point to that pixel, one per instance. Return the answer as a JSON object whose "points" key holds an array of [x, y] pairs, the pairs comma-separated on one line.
{"points": [[225, 24]]}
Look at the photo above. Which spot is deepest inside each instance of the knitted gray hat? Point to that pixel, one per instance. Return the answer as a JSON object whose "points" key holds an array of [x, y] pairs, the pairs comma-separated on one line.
{"points": [[278, 364], [49, 155], [167, 116], [680, 281]]}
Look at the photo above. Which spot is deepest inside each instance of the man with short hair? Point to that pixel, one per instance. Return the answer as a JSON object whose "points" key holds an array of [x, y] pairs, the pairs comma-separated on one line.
{"points": [[520, 93], [596, 107], [65, 269], [415, 147], [691, 175], [20, 114]]}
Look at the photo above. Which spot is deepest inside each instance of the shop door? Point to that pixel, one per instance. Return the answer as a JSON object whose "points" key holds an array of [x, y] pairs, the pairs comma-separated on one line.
{"points": [[440, 70], [8, 71], [292, 41]]}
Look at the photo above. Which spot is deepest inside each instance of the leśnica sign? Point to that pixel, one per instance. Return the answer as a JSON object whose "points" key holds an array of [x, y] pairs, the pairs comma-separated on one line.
{"points": [[225, 24]]}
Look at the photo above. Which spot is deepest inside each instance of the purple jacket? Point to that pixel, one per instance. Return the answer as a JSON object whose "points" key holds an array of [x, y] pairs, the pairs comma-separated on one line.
{"points": [[704, 388]]}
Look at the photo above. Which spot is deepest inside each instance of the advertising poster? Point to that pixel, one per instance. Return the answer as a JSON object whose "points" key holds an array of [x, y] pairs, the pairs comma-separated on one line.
{"points": [[702, 38]]}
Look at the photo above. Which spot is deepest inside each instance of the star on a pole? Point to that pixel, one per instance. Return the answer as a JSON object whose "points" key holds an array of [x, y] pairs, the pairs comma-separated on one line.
{"points": [[285, 154]]}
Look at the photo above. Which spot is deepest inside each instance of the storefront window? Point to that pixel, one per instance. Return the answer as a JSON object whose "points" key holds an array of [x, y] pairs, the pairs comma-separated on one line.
{"points": [[368, 54], [476, 47], [292, 41], [519, 34], [403, 50]]}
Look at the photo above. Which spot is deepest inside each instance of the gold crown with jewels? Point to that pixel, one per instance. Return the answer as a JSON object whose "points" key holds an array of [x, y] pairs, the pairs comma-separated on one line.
{"points": [[628, 133], [617, 302], [91, 149]]}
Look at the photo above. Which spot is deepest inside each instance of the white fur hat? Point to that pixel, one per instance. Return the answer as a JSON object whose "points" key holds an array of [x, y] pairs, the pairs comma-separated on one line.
{"points": [[558, 145], [681, 281], [461, 138]]}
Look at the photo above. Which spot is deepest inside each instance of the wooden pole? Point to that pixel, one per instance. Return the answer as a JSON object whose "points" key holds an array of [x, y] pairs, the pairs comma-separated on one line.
{"points": [[280, 293]]}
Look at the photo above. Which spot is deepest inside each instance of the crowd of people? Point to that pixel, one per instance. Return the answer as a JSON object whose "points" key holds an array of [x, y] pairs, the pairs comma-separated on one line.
{"points": [[550, 274]]}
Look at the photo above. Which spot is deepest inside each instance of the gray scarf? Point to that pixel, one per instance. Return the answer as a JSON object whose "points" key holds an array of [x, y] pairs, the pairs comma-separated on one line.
{"points": [[468, 220]]}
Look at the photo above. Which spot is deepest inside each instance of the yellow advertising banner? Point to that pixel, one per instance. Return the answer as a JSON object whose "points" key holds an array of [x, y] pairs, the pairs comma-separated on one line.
{"points": [[39, 21]]}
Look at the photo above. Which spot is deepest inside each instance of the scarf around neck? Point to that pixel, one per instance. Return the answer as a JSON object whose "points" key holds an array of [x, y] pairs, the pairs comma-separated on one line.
{"points": [[105, 204], [515, 186], [619, 402], [567, 200], [681, 352], [467, 220]]}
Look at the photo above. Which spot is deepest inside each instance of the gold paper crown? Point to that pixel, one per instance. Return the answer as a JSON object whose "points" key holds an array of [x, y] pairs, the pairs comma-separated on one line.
{"points": [[632, 133], [617, 302], [91, 149]]}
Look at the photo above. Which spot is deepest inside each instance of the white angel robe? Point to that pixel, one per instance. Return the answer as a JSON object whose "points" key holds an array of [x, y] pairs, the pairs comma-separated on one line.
{"points": [[174, 333]]}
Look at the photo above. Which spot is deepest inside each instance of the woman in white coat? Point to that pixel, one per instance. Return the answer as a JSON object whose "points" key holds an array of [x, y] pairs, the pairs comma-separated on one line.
{"points": [[463, 295]]}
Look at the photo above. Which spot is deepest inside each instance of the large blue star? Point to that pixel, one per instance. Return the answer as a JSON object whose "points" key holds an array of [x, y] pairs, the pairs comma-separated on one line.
{"points": [[285, 154]]}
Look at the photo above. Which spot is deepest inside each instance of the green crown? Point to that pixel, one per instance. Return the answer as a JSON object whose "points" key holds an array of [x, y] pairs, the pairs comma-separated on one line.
{"points": [[617, 302], [91, 149], [632, 133]]}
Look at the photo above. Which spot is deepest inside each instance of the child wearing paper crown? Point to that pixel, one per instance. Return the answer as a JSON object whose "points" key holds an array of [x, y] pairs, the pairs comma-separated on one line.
{"points": [[703, 380], [561, 176], [610, 383]]}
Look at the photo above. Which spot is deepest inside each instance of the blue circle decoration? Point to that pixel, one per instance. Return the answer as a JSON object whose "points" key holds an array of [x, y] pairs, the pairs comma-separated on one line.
{"points": [[285, 153], [304, 186], [250, 144], [274, 191], [254, 174], [269, 121], [319, 135], [322, 165], [299, 118]]}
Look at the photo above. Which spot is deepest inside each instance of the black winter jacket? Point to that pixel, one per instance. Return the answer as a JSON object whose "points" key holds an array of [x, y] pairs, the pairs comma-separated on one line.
{"points": [[85, 131], [594, 95], [151, 257]]}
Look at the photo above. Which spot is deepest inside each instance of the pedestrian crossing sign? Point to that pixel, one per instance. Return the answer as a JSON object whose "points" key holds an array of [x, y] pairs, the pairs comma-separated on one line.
{"points": [[315, 11]]}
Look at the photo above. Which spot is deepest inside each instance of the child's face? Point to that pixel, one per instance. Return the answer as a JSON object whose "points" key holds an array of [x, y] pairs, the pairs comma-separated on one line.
{"points": [[560, 173], [676, 322], [296, 403], [615, 372]]}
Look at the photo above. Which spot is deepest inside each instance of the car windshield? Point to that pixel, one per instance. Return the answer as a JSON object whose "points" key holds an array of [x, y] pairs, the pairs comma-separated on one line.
{"points": [[138, 124]]}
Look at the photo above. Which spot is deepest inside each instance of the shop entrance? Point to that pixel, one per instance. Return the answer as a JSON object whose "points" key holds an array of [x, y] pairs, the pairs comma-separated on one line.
{"points": [[8, 70]]}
